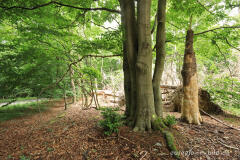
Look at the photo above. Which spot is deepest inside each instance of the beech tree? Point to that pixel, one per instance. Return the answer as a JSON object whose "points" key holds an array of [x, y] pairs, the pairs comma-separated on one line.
{"points": [[142, 91]]}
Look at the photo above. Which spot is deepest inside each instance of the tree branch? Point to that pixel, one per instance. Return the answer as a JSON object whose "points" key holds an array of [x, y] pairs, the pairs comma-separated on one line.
{"points": [[205, 7], [225, 59], [8, 103], [231, 45], [203, 32], [60, 4], [210, 30]]}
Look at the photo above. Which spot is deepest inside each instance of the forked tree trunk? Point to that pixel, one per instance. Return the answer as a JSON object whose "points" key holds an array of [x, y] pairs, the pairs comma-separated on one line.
{"points": [[160, 56], [145, 111], [190, 109]]}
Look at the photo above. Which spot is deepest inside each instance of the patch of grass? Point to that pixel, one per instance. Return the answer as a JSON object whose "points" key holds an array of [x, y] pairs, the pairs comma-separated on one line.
{"points": [[18, 99], [49, 149], [21, 110]]}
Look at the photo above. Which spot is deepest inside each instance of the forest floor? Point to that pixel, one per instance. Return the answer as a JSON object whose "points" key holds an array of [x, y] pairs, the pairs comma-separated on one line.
{"points": [[75, 134]]}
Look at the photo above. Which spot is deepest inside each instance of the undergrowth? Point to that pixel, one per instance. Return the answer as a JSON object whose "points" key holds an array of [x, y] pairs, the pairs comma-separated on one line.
{"points": [[111, 120], [21, 110], [224, 92]]}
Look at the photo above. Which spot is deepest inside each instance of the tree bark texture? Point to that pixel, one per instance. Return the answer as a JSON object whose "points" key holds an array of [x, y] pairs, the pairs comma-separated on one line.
{"points": [[127, 82], [160, 56], [190, 110], [130, 44], [145, 100]]}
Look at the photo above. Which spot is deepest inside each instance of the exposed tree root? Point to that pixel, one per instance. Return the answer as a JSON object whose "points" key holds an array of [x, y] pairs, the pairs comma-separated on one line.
{"points": [[160, 125], [171, 143]]}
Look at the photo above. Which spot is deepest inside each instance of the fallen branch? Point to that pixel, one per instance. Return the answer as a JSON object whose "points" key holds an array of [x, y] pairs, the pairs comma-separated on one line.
{"points": [[218, 120], [231, 147], [145, 153], [96, 139], [169, 87], [126, 139], [8, 103]]}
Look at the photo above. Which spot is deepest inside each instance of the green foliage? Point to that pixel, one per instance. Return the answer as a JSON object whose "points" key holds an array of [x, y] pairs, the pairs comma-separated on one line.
{"points": [[111, 121], [159, 124], [170, 120], [163, 123], [224, 91]]}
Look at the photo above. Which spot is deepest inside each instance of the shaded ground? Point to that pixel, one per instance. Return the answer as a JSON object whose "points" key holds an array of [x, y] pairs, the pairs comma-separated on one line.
{"points": [[74, 134], [211, 140]]}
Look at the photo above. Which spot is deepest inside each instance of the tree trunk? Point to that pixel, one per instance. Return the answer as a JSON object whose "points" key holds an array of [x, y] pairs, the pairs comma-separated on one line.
{"points": [[160, 56], [190, 109], [145, 111], [131, 44], [73, 85], [127, 82]]}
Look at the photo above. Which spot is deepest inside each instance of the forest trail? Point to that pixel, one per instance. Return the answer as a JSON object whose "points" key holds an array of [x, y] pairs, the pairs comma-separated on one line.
{"points": [[75, 134]]}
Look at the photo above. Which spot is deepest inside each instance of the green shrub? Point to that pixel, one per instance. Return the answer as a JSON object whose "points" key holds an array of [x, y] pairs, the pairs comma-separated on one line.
{"points": [[170, 120], [111, 121]]}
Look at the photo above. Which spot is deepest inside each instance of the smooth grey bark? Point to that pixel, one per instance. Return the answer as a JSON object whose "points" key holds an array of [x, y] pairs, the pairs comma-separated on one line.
{"points": [[73, 85], [145, 111], [131, 44], [160, 56]]}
